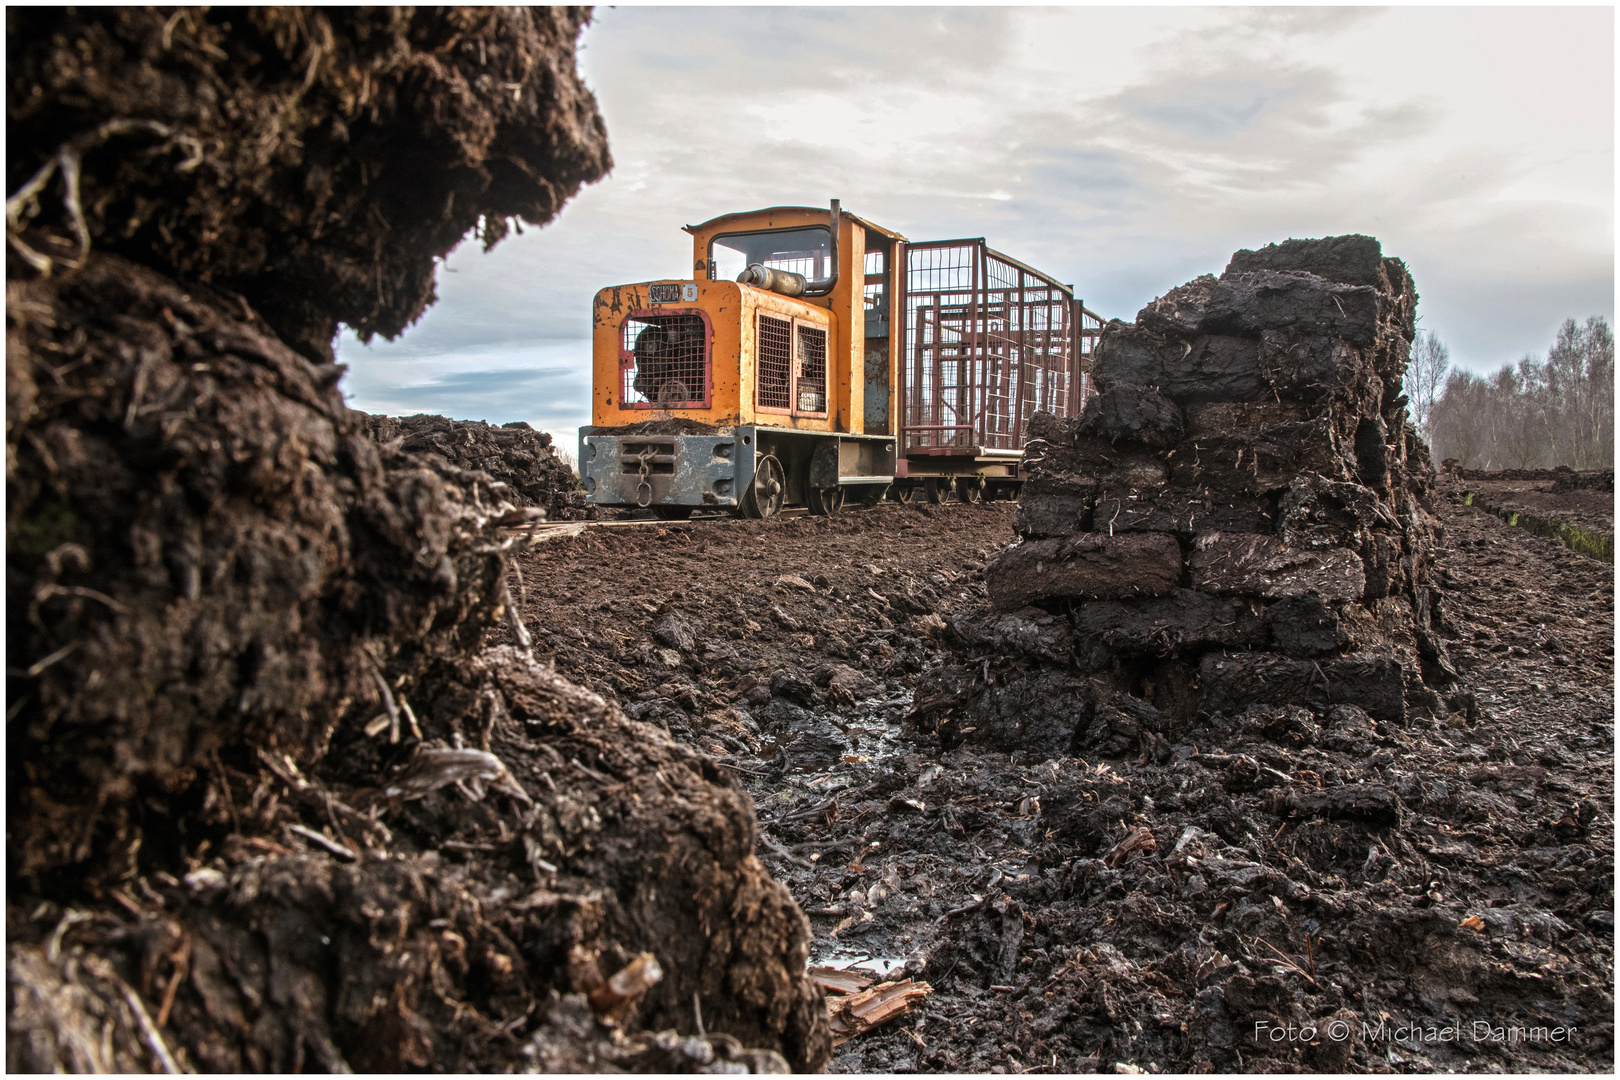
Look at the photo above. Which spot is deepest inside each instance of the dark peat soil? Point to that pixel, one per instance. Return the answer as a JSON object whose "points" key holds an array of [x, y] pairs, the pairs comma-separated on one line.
{"points": [[1176, 913]]}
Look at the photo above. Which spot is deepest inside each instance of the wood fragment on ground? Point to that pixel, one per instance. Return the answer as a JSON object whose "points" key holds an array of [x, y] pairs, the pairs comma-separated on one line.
{"points": [[1138, 839], [553, 530], [838, 981], [859, 1013]]}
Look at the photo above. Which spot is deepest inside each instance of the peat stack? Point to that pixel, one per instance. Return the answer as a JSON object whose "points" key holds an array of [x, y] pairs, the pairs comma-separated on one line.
{"points": [[520, 460], [285, 789], [1238, 518]]}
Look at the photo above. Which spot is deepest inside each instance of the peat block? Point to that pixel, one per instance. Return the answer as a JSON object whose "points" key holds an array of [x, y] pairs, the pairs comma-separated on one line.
{"points": [[1054, 506], [1373, 682], [1085, 566], [1093, 460], [1304, 626], [318, 160], [1132, 412], [1180, 510], [1352, 260], [1185, 619], [1251, 565], [1031, 631]]}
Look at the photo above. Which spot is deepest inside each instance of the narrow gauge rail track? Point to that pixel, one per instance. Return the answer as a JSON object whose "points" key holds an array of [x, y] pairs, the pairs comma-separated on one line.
{"points": [[551, 530]]}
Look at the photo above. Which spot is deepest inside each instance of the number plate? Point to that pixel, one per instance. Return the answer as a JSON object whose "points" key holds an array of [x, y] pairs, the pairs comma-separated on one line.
{"points": [[672, 294]]}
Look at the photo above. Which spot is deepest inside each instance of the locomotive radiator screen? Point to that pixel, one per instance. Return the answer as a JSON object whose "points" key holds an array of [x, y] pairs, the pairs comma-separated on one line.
{"points": [[812, 370], [774, 370], [790, 366], [664, 362]]}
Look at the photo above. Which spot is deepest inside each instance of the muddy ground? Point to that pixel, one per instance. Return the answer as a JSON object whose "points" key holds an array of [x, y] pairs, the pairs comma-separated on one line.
{"points": [[1178, 913]]}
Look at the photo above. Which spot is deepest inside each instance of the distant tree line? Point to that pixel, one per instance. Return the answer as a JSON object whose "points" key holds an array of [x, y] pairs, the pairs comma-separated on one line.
{"points": [[1533, 414]]}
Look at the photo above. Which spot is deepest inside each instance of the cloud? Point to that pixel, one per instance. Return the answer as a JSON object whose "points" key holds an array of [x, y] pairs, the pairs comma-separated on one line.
{"points": [[1214, 108], [752, 49], [1124, 150], [1288, 22]]}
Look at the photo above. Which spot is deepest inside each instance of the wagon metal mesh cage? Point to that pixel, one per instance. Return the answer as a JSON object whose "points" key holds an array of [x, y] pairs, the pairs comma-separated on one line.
{"points": [[988, 342], [664, 362]]}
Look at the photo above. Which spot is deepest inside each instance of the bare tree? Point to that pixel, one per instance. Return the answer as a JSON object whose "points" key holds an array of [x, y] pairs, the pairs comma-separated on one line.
{"points": [[1557, 411], [1517, 416], [1425, 375], [1459, 421], [1580, 388]]}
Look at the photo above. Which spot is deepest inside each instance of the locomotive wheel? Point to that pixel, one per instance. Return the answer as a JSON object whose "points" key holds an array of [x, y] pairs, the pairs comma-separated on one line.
{"points": [[764, 497], [970, 489], [825, 502]]}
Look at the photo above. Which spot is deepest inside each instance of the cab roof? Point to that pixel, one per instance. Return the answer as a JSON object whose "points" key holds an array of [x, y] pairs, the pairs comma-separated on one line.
{"points": [[724, 219]]}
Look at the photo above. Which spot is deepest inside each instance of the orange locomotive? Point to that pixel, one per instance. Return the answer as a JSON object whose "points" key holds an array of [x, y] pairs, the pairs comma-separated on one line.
{"points": [[814, 355]]}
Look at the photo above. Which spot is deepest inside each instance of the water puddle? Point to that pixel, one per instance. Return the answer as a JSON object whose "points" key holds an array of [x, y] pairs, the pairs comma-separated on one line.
{"points": [[873, 729], [880, 967]]}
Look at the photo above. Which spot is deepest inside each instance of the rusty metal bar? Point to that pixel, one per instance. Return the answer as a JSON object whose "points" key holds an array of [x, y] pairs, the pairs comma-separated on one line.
{"points": [[1081, 365], [1018, 375], [966, 368], [897, 356]]}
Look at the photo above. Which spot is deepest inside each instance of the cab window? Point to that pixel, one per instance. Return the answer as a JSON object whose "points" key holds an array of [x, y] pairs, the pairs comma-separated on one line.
{"points": [[803, 251]]}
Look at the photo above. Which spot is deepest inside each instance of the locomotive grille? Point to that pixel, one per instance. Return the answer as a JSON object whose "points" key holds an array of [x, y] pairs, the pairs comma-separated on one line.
{"points": [[812, 381], [774, 358], [664, 362]]}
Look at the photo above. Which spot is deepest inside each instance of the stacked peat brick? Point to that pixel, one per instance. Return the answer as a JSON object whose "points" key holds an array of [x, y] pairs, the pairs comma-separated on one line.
{"points": [[1236, 519]]}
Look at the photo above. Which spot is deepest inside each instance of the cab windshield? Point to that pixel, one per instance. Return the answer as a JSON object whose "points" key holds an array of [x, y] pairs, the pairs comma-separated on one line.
{"points": [[803, 251]]}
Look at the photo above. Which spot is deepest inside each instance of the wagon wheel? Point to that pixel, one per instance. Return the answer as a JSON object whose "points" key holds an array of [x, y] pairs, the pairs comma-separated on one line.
{"points": [[763, 498], [936, 490], [970, 489], [903, 493], [826, 501]]}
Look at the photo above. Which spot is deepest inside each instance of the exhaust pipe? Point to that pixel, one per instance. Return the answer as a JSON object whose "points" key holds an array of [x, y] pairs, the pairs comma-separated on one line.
{"points": [[832, 222], [785, 282]]}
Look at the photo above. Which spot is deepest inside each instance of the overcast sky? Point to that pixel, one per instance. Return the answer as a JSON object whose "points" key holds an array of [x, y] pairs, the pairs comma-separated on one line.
{"points": [[1124, 150]]}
